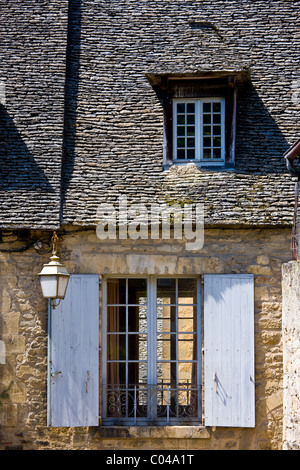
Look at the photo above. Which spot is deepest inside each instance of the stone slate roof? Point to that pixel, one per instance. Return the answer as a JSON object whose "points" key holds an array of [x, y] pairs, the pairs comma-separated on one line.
{"points": [[32, 78], [112, 140]]}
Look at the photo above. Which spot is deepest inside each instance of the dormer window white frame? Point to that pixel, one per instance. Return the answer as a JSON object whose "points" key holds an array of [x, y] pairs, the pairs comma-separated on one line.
{"points": [[199, 131], [197, 88]]}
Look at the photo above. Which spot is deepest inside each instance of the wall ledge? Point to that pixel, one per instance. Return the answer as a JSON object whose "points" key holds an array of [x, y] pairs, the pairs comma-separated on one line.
{"points": [[153, 432]]}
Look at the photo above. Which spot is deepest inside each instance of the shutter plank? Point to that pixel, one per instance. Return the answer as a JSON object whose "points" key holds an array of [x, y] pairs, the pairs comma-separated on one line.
{"points": [[229, 350], [74, 355]]}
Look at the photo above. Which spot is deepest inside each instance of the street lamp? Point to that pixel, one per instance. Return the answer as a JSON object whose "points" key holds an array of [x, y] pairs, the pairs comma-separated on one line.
{"points": [[54, 277]]}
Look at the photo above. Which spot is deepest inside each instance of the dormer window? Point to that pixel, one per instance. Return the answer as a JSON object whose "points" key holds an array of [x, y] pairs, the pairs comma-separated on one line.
{"points": [[199, 117], [199, 130]]}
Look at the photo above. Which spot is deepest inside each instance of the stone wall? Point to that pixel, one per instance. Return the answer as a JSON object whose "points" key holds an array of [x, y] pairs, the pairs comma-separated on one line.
{"points": [[291, 354], [23, 330]]}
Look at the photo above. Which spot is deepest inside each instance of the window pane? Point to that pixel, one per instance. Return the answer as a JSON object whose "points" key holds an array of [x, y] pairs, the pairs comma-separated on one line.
{"points": [[216, 107], [137, 318], [116, 319], [116, 373], [166, 289], [190, 153], [163, 323], [190, 108], [217, 153], [206, 107], [206, 118], [116, 291], [180, 119], [190, 119], [163, 373], [180, 154], [217, 118], [180, 142], [217, 130], [190, 142], [217, 141], [206, 130], [186, 347], [137, 291], [180, 130], [137, 347], [206, 153], [166, 347], [206, 142], [116, 347], [190, 131], [187, 373], [187, 322], [180, 107], [187, 290]]}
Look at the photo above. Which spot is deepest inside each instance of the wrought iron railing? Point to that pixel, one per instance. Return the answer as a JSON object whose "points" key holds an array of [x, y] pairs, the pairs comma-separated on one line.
{"points": [[163, 403]]}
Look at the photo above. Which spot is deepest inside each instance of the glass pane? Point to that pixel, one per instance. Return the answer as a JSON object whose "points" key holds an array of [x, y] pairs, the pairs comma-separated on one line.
{"points": [[136, 374], [190, 131], [180, 154], [190, 119], [116, 373], [206, 107], [190, 153], [217, 153], [216, 107], [186, 373], [137, 347], [166, 289], [116, 319], [186, 347], [180, 130], [190, 108], [217, 141], [137, 318], [187, 290], [116, 347], [206, 142], [166, 347], [137, 291], [180, 142], [206, 153], [190, 142], [216, 118], [163, 374], [180, 119], [116, 291], [206, 130], [180, 107], [163, 319], [206, 118], [217, 130], [186, 322]]}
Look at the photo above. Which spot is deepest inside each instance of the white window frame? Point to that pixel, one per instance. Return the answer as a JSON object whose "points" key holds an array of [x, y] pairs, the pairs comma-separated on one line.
{"points": [[199, 158], [152, 353]]}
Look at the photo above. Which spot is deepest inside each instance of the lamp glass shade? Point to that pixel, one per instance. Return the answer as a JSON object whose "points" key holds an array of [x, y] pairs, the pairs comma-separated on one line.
{"points": [[62, 284], [54, 279], [49, 286]]}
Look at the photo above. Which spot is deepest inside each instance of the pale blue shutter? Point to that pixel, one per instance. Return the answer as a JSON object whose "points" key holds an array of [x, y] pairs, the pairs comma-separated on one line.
{"points": [[73, 383], [229, 388]]}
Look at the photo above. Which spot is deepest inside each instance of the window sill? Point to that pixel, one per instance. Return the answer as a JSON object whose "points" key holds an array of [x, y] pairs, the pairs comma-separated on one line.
{"points": [[201, 165], [153, 432]]}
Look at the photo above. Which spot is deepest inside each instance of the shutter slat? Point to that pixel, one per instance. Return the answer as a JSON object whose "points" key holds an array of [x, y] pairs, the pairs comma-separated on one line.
{"points": [[229, 350], [74, 355]]}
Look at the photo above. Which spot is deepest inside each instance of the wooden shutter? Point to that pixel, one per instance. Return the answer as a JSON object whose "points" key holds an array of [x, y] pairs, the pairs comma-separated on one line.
{"points": [[73, 385], [229, 350]]}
